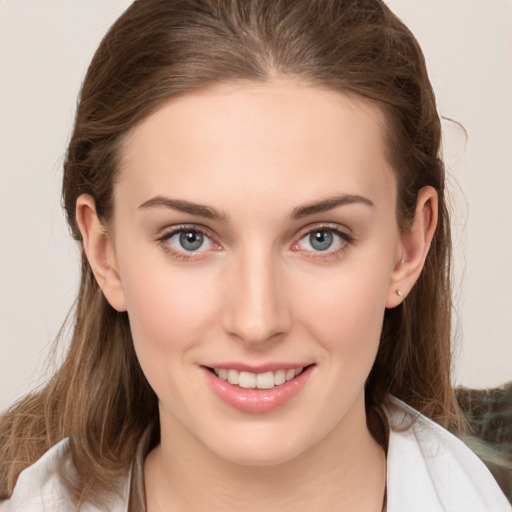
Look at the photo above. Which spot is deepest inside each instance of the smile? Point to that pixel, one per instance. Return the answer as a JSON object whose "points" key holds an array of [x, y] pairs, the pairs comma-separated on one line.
{"points": [[257, 391], [266, 380]]}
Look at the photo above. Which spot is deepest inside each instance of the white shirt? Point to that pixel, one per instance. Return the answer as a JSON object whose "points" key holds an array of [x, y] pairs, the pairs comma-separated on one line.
{"points": [[428, 470]]}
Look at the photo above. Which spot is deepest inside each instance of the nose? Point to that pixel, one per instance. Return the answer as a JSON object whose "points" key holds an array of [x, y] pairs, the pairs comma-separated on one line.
{"points": [[256, 306]]}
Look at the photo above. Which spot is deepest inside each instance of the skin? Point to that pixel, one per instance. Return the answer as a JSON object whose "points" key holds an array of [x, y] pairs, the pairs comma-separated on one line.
{"points": [[257, 291]]}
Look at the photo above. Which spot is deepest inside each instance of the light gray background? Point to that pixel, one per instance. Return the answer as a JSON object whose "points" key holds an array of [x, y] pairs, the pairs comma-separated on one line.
{"points": [[45, 47]]}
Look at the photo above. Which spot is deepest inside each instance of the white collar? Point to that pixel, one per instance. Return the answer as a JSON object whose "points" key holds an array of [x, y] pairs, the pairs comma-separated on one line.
{"points": [[428, 470]]}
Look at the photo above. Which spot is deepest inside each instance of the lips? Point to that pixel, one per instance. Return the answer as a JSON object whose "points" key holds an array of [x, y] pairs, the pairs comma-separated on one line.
{"points": [[257, 391]]}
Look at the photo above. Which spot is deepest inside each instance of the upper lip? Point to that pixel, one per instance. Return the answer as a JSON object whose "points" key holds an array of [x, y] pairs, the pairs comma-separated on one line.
{"points": [[257, 368]]}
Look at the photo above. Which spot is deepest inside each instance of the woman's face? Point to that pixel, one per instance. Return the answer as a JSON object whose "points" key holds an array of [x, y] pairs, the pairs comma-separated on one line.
{"points": [[255, 237]]}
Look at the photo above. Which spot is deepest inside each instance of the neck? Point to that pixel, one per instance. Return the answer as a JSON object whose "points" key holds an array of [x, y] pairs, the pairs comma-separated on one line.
{"points": [[345, 471]]}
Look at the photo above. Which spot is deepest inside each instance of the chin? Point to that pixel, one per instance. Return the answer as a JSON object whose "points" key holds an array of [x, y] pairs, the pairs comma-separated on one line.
{"points": [[258, 457], [255, 449]]}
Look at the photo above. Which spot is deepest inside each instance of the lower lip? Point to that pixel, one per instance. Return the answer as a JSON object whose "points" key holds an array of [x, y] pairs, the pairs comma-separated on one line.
{"points": [[257, 400]]}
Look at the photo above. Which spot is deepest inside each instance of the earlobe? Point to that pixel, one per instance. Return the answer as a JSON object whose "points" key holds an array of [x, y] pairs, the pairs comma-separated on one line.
{"points": [[99, 250], [414, 247]]}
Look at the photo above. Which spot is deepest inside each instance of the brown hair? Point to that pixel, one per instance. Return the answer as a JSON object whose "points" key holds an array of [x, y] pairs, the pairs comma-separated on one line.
{"points": [[157, 49]]}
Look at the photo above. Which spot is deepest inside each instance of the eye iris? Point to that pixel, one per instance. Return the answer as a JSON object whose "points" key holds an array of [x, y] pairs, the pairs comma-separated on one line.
{"points": [[321, 240], [190, 240]]}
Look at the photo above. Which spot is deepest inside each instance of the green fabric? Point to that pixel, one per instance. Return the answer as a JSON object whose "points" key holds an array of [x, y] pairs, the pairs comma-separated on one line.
{"points": [[489, 414]]}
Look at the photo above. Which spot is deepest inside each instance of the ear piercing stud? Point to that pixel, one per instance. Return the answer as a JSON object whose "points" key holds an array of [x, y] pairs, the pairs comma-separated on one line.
{"points": [[400, 294]]}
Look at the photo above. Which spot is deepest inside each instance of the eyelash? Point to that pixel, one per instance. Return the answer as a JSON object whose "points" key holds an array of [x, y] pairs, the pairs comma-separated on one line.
{"points": [[345, 238], [183, 255]]}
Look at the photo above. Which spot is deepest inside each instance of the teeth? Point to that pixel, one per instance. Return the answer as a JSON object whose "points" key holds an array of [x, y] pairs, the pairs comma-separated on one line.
{"points": [[265, 380], [233, 376], [250, 380], [280, 377], [247, 380]]}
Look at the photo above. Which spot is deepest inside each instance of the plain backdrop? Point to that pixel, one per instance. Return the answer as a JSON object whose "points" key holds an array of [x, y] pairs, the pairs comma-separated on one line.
{"points": [[45, 47]]}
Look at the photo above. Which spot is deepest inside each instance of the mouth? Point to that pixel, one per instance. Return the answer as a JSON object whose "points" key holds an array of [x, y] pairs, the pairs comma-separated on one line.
{"points": [[264, 380], [257, 391]]}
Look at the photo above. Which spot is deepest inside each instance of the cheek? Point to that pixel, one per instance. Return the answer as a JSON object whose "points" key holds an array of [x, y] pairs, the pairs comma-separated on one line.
{"points": [[167, 308], [168, 315], [346, 321], [345, 312]]}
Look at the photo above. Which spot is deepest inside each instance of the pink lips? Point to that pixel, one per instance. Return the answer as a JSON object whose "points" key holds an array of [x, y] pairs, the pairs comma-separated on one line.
{"points": [[257, 400]]}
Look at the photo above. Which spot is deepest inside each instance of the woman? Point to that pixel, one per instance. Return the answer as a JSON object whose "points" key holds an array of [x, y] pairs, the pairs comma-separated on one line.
{"points": [[257, 190]]}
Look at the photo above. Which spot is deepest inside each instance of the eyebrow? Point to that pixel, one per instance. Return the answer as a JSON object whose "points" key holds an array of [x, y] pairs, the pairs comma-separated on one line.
{"points": [[298, 213], [330, 204], [185, 207]]}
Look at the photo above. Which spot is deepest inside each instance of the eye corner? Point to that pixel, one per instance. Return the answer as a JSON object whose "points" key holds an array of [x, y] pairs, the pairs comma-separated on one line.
{"points": [[295, 247]]}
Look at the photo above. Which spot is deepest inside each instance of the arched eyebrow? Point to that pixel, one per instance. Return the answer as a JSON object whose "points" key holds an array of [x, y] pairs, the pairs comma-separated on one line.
{"points": [[181, 205], [211, 213], [329, 204]]}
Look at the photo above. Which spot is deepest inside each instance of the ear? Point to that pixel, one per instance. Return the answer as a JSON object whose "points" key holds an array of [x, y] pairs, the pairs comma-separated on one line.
{"points": [[98, 247], [414, 246]]}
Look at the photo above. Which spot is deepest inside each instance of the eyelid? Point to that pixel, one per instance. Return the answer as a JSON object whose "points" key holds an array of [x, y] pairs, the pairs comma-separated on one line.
{"points": [[344, 234], [342, 231], [168, 232], [347, 238]]}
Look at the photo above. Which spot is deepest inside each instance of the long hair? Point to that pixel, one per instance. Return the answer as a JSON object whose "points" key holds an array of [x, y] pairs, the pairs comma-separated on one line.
{"points": [[158, 49]]}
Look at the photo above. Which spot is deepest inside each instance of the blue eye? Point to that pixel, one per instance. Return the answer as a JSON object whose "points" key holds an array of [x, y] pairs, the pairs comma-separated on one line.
{"points": [[321, 240], [188, 240], [324, 240]]}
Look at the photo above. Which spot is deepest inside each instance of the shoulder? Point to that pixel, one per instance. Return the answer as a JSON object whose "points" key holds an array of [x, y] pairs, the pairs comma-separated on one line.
{"points": [[40, 487], [431, 470]]}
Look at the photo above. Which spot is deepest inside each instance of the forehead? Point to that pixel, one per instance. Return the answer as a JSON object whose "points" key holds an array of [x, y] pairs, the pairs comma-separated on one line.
{"points": [[253, 139]]}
